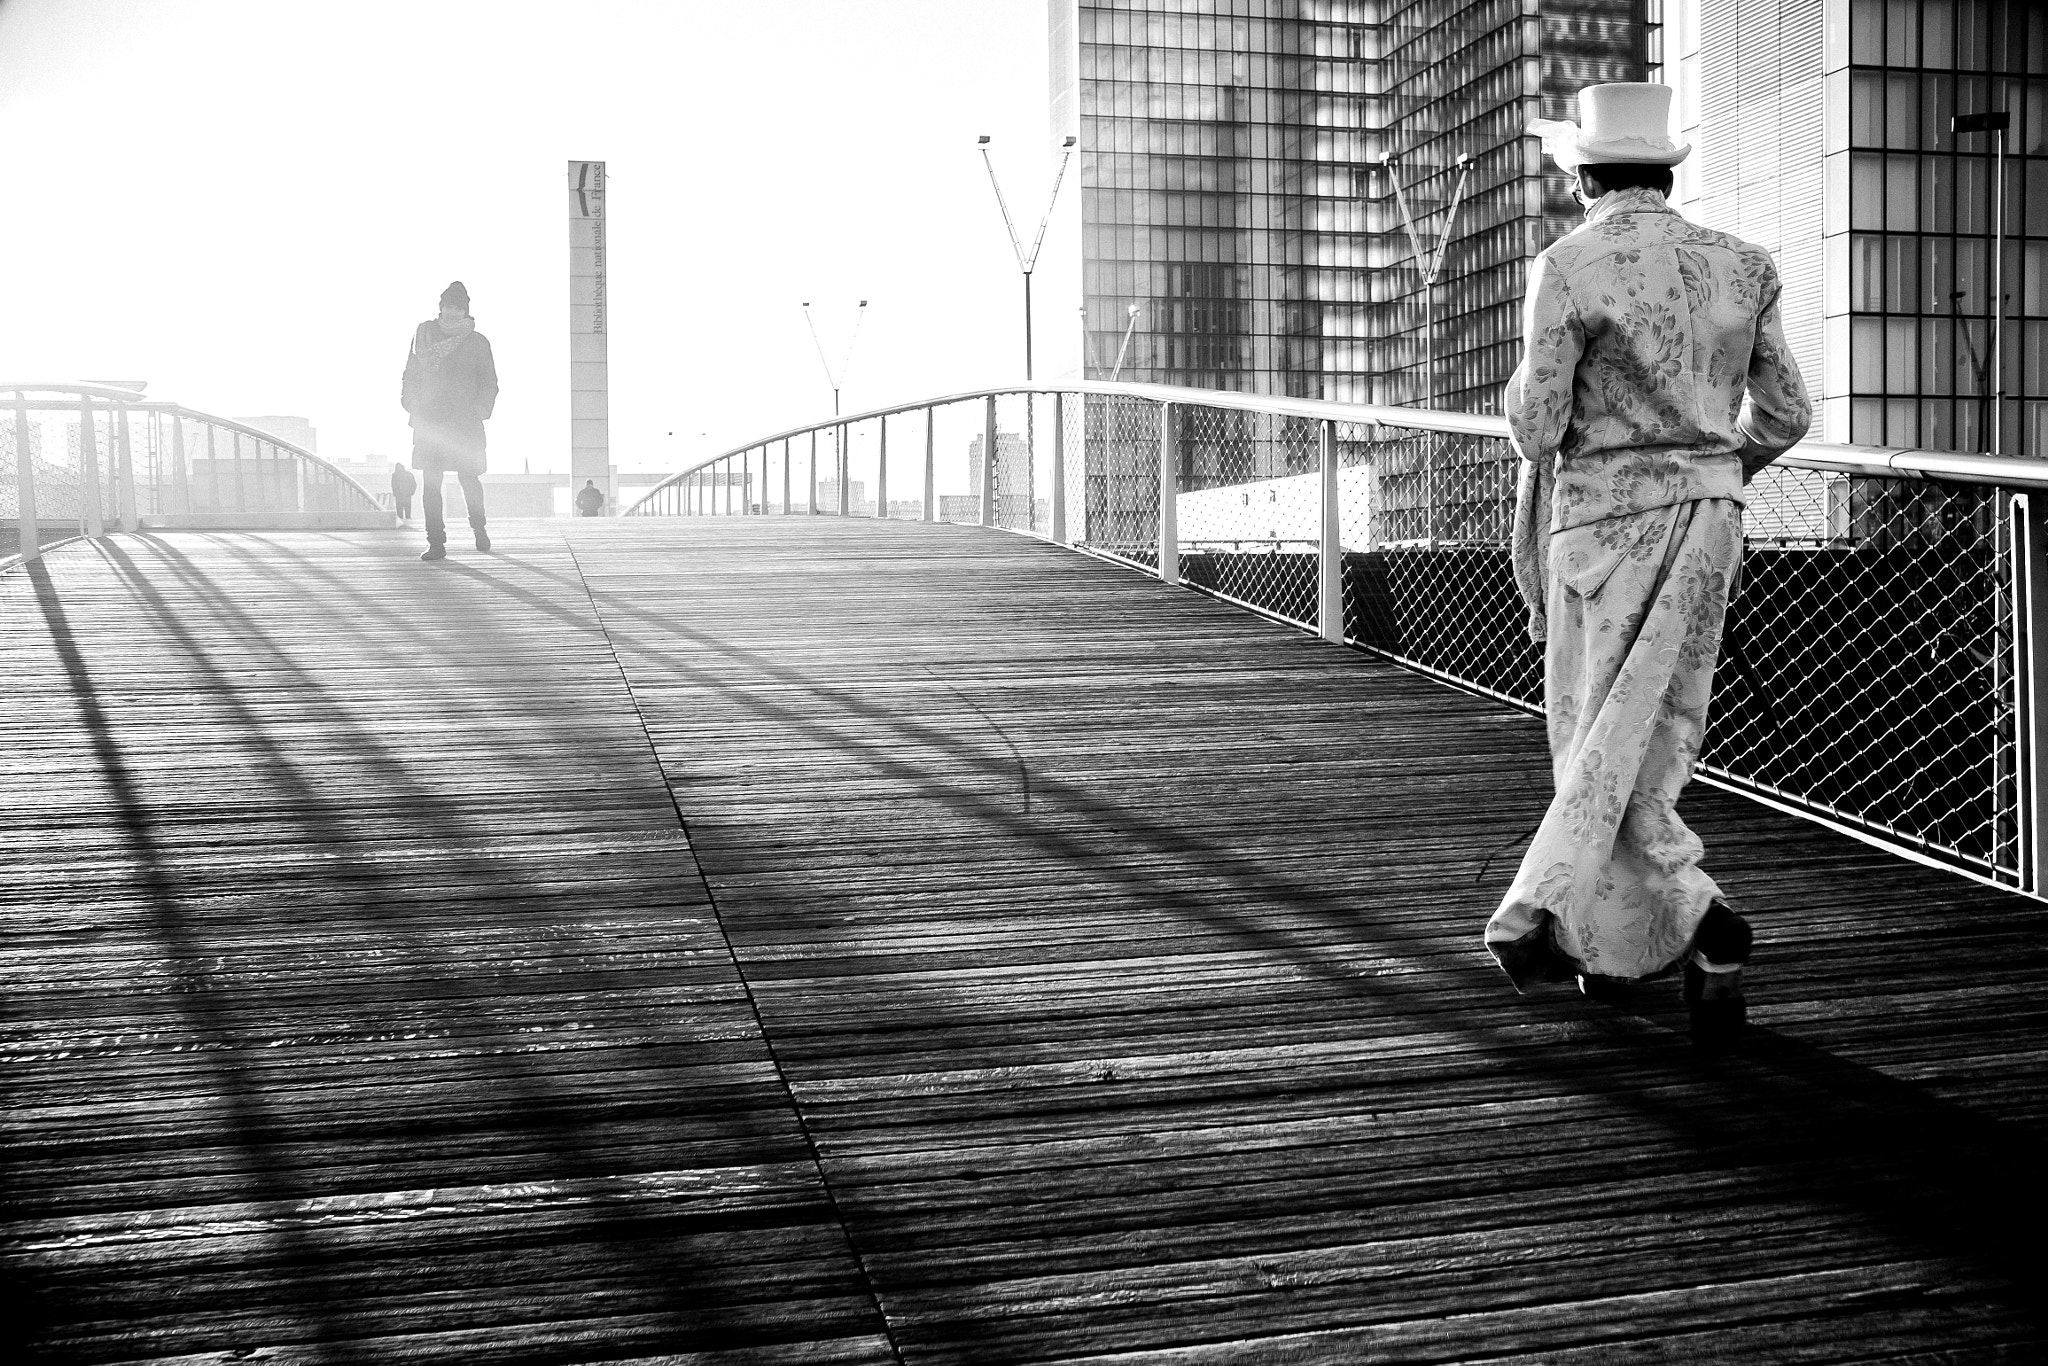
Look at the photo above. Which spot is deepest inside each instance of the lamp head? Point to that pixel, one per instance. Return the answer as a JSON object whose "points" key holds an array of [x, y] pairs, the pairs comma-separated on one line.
{"points": [[1134, 310], [1463, 160], [863, 303], [982, 140], [1386, 158], [1071, 140]]}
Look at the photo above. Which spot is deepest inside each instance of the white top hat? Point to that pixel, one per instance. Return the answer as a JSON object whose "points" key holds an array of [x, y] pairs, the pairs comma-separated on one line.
{"points": [[1624, 122]]}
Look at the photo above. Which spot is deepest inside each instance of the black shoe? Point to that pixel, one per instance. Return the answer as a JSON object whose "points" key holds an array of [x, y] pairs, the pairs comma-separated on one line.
{"points": [[483, 538], [434, 552], [1719, 1010], [1724, 937], [1612, 990], [1532, 960]]}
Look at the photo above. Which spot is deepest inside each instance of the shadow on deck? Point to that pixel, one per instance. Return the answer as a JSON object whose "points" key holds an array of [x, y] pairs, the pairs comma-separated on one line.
{"points": [[812, 941]]}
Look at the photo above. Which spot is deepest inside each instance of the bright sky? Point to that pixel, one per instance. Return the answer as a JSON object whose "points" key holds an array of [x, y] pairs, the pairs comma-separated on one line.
{"points": [[251, 203]]}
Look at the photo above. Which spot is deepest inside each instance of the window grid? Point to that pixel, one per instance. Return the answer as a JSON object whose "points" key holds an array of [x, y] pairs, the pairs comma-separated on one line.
{"points": [[1921, 223]]}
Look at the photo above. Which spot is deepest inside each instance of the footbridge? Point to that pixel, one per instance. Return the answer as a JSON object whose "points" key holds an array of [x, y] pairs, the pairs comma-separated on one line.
{"points": [[994, 880]]}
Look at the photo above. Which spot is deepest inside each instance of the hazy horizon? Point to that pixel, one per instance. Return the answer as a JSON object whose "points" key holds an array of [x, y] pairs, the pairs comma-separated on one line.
{"points": [[260, 203]]}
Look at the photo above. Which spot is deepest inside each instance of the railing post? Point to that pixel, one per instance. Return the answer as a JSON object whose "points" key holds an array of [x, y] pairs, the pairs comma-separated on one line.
{"points": [[785, 476], [2028, 566], [1059, 469], [25, 482], [1330, 552], [988, 465], [241, 490], [882, 470], [844, 462], [931, 424], [181, 473], [125, 518], [212, 470], [1169, 494], [812, 508], [89, 471]]}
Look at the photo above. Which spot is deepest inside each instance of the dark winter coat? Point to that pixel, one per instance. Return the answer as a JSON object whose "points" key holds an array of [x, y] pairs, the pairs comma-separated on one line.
{"points": [[402, 482], [449, 402]]}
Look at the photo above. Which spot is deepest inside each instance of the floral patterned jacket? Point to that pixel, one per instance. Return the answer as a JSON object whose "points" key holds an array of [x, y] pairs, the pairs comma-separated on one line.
{"points": [[1654, 372]]}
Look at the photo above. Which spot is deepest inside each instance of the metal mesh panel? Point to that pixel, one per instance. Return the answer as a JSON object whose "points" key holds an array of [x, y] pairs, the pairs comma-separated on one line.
{"points": [[956, 450], [1015, 462], [1074, 428], [1424, 518], [859, 461], [1865, 671], [1119, 506], [1249, 507], [1861, 674], [54, 470]]}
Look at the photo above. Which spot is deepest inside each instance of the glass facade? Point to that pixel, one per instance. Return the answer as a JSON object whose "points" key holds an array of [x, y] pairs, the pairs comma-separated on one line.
{"points": [[1912, 224], [1463, 77], [1231, 189], [1221, 150]]}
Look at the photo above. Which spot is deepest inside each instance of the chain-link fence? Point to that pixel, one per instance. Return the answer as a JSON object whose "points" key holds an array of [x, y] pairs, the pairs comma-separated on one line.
{"points": [[1868, 673]]}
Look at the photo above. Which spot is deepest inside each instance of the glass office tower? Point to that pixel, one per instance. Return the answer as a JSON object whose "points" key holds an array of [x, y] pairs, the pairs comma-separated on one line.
{"points": [[1463, 77], [1232, 190], [1823, 129], [1921, 225]]}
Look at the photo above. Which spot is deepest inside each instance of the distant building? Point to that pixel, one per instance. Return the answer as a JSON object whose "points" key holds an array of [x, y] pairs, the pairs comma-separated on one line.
{"points": [[857, 501], [1014, 474], [1231, 188], [1822, 132]]}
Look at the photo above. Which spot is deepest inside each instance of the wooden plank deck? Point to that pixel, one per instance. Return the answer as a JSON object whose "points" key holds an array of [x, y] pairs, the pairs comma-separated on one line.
{"points": [[1020, 961]]}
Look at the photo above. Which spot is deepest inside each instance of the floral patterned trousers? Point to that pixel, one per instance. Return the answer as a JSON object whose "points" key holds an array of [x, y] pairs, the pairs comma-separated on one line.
{"points": [[1611, 885]]}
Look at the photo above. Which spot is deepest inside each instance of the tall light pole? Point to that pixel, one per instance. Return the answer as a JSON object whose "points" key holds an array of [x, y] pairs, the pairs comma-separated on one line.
{"points": [[835, 380], [1427, 262], [1118, 368], [1995, 124], [1025, 261]]}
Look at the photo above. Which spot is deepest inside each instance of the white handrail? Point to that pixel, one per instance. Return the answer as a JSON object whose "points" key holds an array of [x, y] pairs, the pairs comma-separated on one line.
{"points": [[1872, 461]]}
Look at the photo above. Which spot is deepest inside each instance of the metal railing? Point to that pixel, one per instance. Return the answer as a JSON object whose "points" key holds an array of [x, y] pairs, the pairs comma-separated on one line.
{"points": [[1886, 663], [84, 459]]}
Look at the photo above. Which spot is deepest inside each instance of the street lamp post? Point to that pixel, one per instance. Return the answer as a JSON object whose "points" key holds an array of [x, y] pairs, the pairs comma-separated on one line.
{"points": [[1429, 263], [1995, 124], [836, 381], [1026, 261], [1118, 368]]}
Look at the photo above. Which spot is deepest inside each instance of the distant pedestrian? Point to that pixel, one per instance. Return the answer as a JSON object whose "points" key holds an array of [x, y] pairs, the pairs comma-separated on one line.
{"points": [[1655, 381], [589, 499], [402, 486], [451, 386]]}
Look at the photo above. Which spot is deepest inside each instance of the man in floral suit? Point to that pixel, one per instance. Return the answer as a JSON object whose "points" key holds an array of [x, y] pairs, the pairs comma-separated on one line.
{"points": [[1655, 381]]}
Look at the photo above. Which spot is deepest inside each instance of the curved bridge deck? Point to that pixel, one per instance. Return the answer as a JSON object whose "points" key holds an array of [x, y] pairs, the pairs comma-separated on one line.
{"points": [[815, 941]]}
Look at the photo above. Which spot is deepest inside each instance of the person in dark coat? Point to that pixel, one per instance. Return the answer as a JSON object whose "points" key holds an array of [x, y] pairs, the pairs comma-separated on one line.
{"points": [[589, 499], [451, 386], [402, 486]]}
